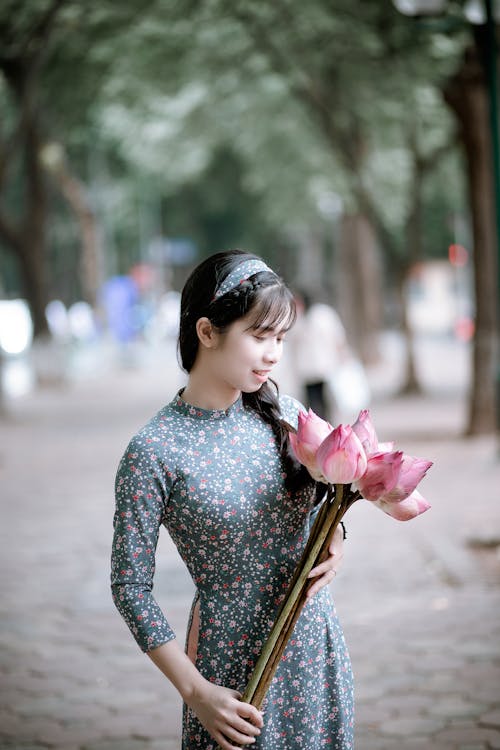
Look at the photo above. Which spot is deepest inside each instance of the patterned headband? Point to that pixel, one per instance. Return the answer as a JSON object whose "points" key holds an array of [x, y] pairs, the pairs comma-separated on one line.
{"points": [[241, 273]]}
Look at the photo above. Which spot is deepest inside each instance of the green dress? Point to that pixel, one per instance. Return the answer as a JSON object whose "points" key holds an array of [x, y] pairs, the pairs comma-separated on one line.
{"points": [[215, 480]]}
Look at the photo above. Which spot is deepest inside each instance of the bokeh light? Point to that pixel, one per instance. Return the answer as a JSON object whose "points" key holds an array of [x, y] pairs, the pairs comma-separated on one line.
{"points": [[16, 326]]}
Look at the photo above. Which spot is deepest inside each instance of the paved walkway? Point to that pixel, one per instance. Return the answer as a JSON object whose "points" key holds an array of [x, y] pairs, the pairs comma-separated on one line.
{"points": [[419, 602]]}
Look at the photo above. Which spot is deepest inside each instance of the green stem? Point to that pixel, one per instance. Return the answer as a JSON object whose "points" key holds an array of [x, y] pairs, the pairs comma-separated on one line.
{"points": [[319, 533], [288, 628]]}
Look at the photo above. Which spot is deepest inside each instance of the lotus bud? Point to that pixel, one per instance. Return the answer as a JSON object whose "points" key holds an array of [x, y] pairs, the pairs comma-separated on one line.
{"points": [[365, 431], [381, 474], [412, 471], [311, 431], [407, 509], [340, 457]]}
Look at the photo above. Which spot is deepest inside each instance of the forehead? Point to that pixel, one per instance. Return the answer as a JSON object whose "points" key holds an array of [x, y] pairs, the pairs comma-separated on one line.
{"points": [[272, 312], [269, 326]]}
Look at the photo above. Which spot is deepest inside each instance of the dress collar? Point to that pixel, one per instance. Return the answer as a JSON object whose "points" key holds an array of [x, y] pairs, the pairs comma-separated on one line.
{"points": [[181, 406]]}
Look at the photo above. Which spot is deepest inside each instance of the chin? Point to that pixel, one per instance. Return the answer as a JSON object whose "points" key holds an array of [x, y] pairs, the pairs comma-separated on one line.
{"points": [[253, 388]]}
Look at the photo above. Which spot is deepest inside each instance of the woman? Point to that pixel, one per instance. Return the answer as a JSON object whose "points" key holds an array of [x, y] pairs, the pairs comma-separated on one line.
{"points": [[213, 466]]}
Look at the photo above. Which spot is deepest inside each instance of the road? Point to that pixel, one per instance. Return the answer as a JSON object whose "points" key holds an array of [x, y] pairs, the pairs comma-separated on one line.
{"points": [[419, 601]]}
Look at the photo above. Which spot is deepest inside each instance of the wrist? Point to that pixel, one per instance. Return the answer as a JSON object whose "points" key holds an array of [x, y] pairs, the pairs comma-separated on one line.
{"points": [[193, 688], [179, 669]]}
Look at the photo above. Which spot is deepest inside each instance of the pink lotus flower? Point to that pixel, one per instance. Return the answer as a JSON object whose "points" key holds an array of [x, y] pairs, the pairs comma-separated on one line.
{"points": [[381, 474], [364, 429], [353, 454], [340, 457], [406, 509], [311, 431], [385, 447], [412, 471]]}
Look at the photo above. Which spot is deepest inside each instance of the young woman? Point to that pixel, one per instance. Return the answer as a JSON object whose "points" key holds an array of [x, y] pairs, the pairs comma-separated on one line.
{"points": [[213, 466]]}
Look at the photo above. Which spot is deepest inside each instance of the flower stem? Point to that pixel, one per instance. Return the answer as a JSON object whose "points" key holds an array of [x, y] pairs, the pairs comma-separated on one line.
{"points": [[319, 539]]}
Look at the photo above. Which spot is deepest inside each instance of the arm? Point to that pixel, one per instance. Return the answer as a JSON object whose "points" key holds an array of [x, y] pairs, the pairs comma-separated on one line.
{"points": [[229, 721], [141, 494], [142, 491]]}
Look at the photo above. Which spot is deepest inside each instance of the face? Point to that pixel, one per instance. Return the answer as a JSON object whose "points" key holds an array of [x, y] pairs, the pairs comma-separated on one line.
{"points": [[243, 356]]}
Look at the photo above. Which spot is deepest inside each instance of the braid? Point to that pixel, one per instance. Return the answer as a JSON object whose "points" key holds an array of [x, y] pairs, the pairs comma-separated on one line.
{"points": [[265, 403]]}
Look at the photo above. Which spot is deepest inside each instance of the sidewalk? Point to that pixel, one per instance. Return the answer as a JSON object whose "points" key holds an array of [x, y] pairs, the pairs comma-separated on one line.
{"points": [[419, 602]]}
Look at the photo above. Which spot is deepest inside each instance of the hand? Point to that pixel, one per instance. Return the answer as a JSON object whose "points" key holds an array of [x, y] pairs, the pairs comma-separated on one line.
{"points": [[326, 571], [229, 721]]}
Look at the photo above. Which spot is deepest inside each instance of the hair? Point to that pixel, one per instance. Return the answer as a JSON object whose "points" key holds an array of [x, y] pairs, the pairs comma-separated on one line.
{"points": [[272, 302]]}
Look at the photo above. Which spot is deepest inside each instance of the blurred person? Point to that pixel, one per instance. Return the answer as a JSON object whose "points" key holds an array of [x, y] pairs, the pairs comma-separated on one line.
{"points": [[119, 297], [318, 347], [214, 467]]}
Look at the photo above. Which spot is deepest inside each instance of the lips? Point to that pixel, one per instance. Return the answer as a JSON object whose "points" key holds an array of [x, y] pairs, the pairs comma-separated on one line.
{"points": [[262, 374]]}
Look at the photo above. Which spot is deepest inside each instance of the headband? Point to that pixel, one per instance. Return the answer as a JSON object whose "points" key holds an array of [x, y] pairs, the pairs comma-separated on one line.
{"points": [[241, 273]]}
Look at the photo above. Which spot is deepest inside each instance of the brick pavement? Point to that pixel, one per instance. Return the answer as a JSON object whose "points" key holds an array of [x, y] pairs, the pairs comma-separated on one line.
{"points": [[418, 603]]}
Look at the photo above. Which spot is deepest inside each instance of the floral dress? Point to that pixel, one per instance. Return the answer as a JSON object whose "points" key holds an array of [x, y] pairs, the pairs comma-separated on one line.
{"points": [[214, 478]]}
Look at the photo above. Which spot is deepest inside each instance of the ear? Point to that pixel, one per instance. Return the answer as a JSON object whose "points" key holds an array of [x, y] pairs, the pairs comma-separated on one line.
{"points": [[207, 334]]}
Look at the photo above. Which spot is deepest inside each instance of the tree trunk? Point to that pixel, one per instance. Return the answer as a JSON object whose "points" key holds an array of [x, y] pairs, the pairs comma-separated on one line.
{"points": [[33, 257], [91, 271], [413, 234], [26, 239], [32, 269], [359, 286], [20, 62], [466, 94], [411, 383]]}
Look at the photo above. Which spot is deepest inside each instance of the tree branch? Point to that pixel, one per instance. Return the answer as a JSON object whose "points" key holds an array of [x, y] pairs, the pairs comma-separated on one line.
{"points": [[343, 140], [302, 84], [40, 33]]}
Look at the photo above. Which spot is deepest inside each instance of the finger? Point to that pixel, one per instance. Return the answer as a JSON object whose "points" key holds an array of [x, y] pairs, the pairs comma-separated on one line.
{"points": [[245, 727], [321, 582], [321, 569], [247, 711], [239, 738]]}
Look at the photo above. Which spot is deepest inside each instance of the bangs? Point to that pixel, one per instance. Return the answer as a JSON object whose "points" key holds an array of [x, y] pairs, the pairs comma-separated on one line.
{"points": [[274, 309]]}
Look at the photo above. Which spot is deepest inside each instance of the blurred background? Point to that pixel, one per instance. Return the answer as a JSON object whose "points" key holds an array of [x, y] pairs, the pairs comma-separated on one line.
{"points": [[355, 147], [353, 150]]}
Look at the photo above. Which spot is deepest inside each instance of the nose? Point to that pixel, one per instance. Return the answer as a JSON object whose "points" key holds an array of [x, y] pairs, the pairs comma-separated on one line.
{"points": [[272, 353]]}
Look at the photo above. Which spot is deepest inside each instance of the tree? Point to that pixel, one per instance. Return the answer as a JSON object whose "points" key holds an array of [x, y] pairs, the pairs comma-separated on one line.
{"points": [[466, 94], [37, 39], [313, 100], [310, 60], [21, 61], [365, 45]]}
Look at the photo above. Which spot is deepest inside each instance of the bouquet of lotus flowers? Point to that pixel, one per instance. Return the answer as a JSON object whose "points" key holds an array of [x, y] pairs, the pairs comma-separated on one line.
{"points": [[353, 465]]}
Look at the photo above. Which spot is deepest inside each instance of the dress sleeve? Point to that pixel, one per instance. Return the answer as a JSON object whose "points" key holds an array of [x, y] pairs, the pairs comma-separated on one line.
{"points": [[290, 408], [141, 493]]}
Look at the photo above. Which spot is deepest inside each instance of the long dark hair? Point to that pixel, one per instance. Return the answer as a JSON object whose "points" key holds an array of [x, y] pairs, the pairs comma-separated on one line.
{"points": [[272, 302]]}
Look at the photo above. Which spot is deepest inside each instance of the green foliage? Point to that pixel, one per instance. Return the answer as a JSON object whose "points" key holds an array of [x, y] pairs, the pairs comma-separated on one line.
{"points": [[233, 122]]}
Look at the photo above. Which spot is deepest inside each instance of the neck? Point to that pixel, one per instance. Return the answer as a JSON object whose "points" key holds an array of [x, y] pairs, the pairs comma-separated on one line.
{"points": [[207, 394]]}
